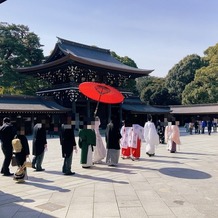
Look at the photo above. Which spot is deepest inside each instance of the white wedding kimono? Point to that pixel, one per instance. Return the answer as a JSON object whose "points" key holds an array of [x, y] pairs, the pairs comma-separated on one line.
{"points": [[151, 137], [99, 150]]}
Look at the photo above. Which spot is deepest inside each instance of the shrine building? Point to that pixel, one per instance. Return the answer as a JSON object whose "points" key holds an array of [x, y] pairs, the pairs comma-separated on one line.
{"points": [[72, 63]]}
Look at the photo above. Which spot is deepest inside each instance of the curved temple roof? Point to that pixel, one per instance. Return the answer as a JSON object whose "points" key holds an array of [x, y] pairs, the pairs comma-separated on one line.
{"points": [[90, 55], [30, 104]]}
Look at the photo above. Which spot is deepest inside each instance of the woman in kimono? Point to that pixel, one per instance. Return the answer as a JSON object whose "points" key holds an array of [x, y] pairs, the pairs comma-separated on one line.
{"points": [[151, 137], [21, 156], [87, 139], [172, 137], [99, 150], [112, 137]]}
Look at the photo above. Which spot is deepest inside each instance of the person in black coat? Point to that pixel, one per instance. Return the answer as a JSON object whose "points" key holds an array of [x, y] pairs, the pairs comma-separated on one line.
{"points": [[209, 126], [39, 145], [7, 133], [112, 137], [68, 143]]}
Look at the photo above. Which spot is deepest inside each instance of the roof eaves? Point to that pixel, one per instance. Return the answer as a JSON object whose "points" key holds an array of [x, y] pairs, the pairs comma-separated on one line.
{"points": [[42, 66], [140, 108], [55, 50], [112, 66], [32, 111]]}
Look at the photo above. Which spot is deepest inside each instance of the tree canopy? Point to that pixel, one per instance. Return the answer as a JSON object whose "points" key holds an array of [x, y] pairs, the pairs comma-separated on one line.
{"points": [[194, 80], [204, 87], [125, 60], [152, 90], [182, 74], [18, 48]]}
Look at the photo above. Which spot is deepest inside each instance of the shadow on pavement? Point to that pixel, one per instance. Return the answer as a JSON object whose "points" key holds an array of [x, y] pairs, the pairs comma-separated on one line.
{"points": [[184, 173], [48, 187], [10, 207], [177, 157], [152, 159], [196, 153], [102, 179], [37, 179]]}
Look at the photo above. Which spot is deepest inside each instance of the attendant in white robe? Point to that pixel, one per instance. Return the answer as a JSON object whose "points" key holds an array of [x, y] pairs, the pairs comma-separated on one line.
{"points": [[126, 133], [137, 138], [172, 137], [131, 141], [151, 137], [99, 150]]}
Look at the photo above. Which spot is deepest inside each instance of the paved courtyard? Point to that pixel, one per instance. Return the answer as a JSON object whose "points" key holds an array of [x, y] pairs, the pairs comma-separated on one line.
{"points": [[184, 184]]}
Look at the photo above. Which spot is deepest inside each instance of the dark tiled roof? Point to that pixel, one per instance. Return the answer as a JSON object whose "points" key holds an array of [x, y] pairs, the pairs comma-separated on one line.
{"points": [[89, 55], [136, 106], [30, 104], [195, 109], [85, 51]]}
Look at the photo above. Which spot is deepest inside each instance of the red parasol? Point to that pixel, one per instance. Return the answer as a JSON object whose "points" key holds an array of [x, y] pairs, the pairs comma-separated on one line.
{"points": [[101, 92]]}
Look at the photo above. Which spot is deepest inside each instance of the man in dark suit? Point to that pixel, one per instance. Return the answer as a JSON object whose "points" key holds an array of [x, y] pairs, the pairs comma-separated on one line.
{"points": [[7, 133], [68, 144], [112, 137], [39, 145]]}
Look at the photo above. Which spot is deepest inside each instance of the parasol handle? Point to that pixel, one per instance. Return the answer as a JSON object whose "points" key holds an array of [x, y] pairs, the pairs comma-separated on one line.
{"points": [[96, 109]]}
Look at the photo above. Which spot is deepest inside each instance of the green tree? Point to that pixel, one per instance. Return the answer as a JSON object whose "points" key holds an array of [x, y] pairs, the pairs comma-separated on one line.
{"points": [[146, 87], [204, 88], [130, 83], [152, 90], [18, 48], [125, 60], [162, 96], [182, 74]]}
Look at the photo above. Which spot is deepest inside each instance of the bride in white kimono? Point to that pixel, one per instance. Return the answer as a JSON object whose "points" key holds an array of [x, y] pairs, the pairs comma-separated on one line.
{"points": [[99, 150]]}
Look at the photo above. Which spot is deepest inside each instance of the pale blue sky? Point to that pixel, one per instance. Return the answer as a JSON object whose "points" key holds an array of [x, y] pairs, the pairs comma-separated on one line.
{"points": [[156, 34]]}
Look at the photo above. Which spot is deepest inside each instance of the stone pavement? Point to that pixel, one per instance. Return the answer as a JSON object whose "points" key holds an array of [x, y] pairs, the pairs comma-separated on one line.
{"points": [[184, 184]]}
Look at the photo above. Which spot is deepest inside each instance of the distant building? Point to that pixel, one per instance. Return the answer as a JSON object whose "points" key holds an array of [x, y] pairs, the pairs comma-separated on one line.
{"points": [[190, 113], [26, 111]]}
